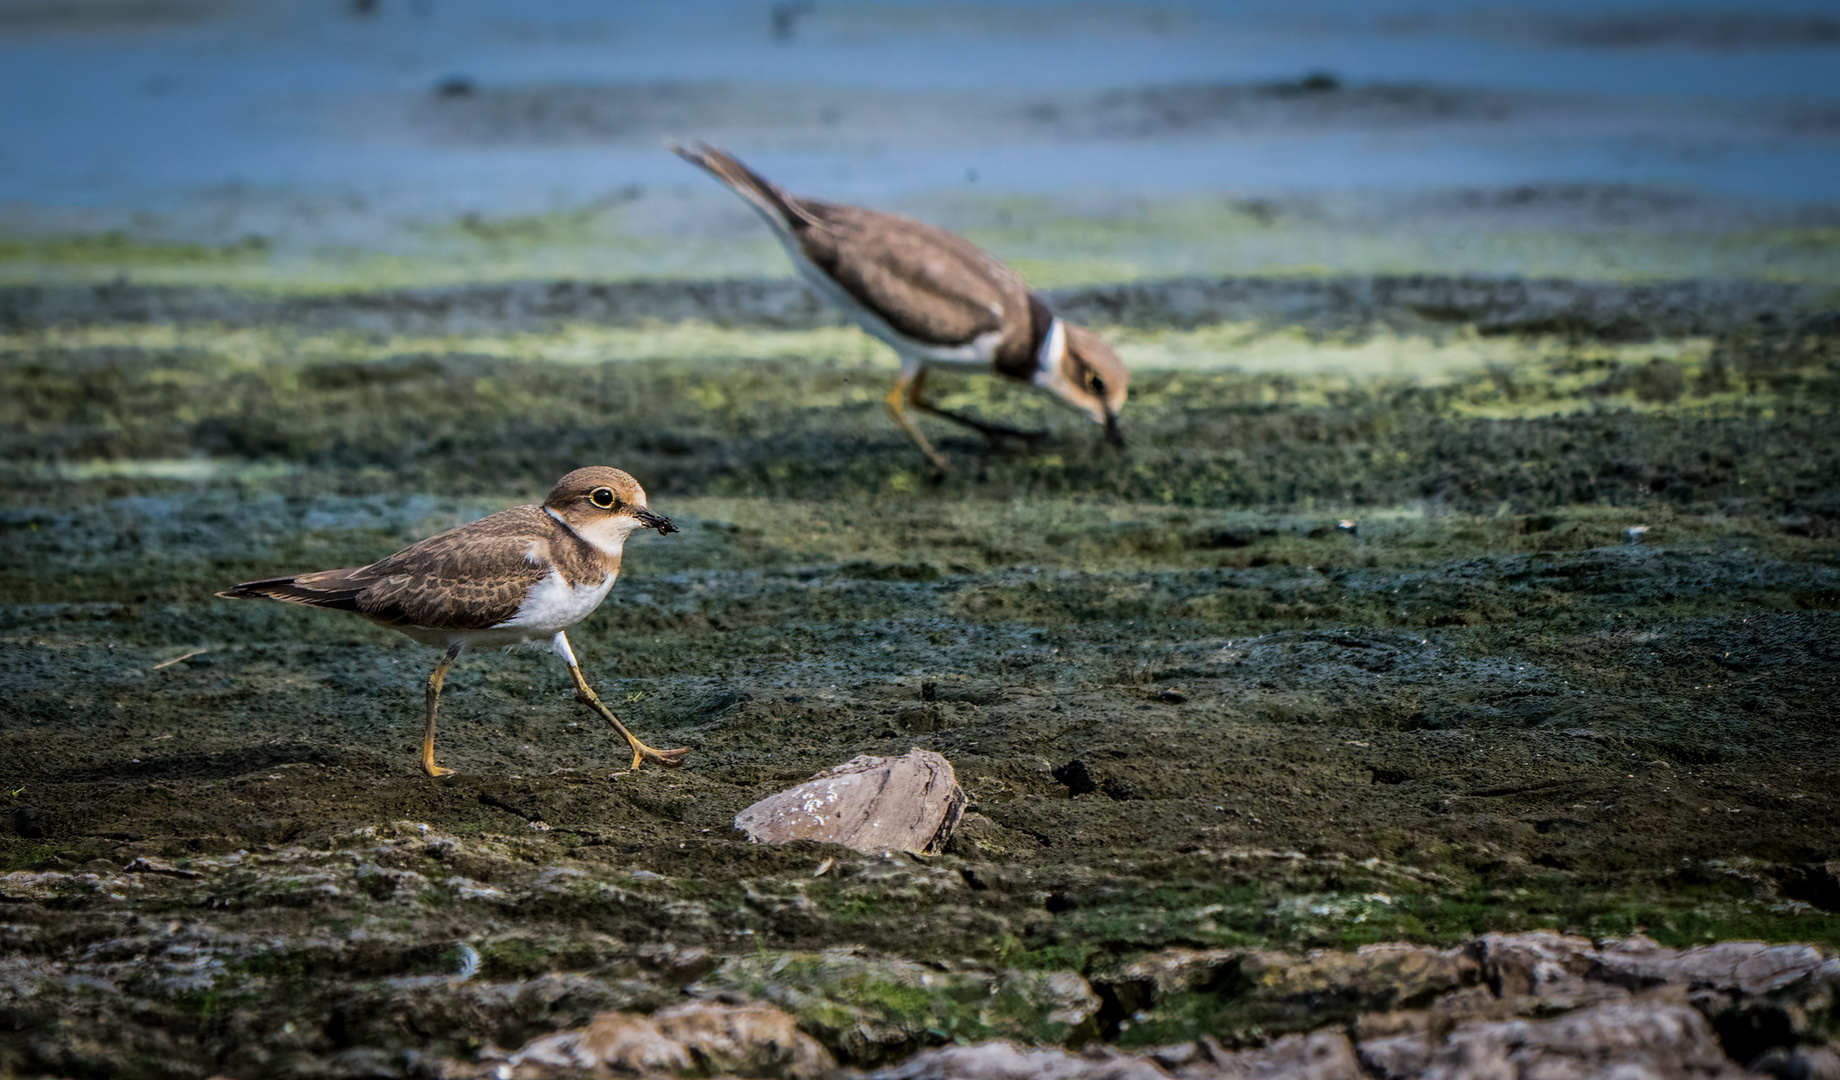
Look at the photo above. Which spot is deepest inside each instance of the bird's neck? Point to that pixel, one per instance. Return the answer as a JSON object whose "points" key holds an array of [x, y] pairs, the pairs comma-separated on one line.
{"points": [[1047, 336], [584, 556]]}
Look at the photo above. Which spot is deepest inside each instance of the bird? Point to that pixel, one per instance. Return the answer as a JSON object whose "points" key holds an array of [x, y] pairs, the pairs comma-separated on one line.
{"points": [[937, 299], [522, 575]]}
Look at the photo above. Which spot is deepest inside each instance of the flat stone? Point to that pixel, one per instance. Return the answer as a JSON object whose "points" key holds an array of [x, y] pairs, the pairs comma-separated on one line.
{"points": [[1558, 971], [749, 1040], [1325, 1055], [1737, 967], [1322, 1055], [1633, 1040], [1004, 1060], [871, 804]]}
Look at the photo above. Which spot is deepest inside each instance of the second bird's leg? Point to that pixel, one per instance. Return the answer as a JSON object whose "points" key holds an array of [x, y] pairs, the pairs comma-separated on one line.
{"points": [[586, 695], [906, 389], [994, 433], [434, 706]]}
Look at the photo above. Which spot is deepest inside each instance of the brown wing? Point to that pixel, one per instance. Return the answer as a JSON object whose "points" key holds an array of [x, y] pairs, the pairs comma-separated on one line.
{"points": [[469, 578], [466, 579], [928, 284]]}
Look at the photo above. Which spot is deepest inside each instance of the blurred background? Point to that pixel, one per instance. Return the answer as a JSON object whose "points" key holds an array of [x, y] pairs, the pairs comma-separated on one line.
{"points": [[386, 142]]}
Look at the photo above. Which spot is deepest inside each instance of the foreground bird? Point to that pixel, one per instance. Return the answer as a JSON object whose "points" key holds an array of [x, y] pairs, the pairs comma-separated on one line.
{"points": [[937, 299], [520, 575]]}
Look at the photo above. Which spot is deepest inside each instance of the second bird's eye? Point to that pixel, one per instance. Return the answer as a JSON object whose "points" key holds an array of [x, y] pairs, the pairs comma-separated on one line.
{"points": [[603, 498]]}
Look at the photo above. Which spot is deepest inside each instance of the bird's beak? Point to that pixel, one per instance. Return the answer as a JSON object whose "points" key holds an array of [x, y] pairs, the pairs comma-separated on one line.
{"points": [[1112, 434], [655, 521]]}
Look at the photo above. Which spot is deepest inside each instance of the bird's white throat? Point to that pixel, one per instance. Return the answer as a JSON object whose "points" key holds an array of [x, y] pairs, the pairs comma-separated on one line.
{"points": [[608, 534]]}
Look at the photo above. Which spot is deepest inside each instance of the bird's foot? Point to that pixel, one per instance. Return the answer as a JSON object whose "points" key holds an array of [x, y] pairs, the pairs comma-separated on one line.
{"points": [[435, 771], [670, 759]]}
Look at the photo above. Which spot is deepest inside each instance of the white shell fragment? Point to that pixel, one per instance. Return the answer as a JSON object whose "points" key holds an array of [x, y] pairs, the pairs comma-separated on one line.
{"points": [[872, 804]]}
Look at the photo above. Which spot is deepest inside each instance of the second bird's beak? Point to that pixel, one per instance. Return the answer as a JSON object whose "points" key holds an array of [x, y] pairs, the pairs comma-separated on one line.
{"points": [[1112, 434], [655, 521]]}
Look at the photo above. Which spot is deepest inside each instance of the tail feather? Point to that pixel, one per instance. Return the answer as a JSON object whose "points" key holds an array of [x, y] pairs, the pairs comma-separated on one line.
{"points": [[336, 589], [780, 208]]}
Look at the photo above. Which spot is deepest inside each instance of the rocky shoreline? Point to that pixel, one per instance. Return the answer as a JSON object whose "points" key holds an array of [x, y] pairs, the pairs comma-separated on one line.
{"points": [[334, 961]]}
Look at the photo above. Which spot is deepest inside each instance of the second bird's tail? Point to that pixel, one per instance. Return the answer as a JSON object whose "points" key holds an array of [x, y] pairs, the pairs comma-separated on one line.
{"points": [[780, 208]]}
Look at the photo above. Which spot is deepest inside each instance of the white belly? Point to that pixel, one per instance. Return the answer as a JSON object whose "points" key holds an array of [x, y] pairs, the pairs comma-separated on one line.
{"points": [[553, 606], [556, 605]]}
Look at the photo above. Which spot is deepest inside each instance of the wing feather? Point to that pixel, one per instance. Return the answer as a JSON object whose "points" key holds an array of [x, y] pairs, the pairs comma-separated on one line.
{"points": [[469, 578], [929, 285]]}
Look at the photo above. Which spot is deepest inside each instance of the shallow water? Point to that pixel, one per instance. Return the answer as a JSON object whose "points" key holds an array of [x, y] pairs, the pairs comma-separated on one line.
{"points": [[307, 109]]}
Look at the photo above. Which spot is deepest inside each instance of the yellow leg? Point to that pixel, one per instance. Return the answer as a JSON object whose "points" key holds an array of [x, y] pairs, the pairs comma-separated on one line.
{"points": [[585, 694], [908, 393], [907, 389], [434, 705]]}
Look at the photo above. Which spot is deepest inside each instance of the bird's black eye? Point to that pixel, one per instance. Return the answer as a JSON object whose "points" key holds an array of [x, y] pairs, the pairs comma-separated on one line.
{"points": [[604, 498], [1096, 385]]}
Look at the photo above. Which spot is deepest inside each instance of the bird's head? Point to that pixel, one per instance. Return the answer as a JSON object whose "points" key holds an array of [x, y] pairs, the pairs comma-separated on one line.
{"points": [[603, 505], [1082, 370]]}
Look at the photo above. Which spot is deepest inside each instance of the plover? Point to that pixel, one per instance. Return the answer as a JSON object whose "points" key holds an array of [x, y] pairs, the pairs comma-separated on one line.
{"points": [[937, 299], [521, 575]]}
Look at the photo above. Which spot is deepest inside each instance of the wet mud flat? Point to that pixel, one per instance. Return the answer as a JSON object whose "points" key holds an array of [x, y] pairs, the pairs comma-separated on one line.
{"points": [[1236, 773]]}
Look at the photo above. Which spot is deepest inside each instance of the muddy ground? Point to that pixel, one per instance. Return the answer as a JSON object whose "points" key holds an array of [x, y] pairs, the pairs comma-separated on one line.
{"points": [[1574, 667]]}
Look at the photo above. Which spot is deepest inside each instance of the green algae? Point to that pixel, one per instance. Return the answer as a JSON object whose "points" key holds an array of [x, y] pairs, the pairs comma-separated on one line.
{"points": [[874, 1010], [117, 250], [1335, 362], [805, 414]]}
